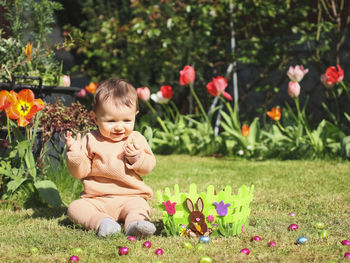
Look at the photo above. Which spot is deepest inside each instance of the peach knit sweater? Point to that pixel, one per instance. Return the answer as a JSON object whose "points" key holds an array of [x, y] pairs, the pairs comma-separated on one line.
{"points": [[104, 170]]}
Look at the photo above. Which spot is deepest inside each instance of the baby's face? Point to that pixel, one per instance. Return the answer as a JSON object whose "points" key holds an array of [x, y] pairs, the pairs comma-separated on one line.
{"points": [[115, 122]]}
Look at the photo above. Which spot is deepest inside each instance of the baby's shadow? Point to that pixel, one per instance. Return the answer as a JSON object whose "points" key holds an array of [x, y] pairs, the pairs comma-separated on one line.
{"points": [[53, 213], [159, 226]]}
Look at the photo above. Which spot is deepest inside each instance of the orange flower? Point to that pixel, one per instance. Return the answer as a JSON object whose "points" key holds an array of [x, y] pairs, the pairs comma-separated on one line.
{"points": [[28, 51], [23, 106], [91, 88], [245, 130], [275, 113], [5, 98]]}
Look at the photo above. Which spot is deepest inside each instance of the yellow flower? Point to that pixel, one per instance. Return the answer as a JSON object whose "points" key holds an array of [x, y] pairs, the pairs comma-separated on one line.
{"points": [[183, 232]]}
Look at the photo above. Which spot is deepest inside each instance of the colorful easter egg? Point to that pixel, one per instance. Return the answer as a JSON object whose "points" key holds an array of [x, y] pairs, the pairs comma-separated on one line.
{"points": [[272, 244], [319, 225], [324, 234], [34, 250], [147, 244], [159, 252], [255, 238], [188, 245], [204, 239], [345, 243], [347, 255], [293, 227], [74, 259], [245, 251], [205, 259], [302, 240], [131, 238], [123, 251]]}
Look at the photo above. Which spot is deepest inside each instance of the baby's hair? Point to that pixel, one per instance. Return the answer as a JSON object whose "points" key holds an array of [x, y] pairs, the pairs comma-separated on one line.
{"points": [[119, 90]]}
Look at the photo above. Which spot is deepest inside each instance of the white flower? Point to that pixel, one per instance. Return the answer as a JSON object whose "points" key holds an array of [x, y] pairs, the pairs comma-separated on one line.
{"points": [[158, 98], [249, 147], [240, 152]]}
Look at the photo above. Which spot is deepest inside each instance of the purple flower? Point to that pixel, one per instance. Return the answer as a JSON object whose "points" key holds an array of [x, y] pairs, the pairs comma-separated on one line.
{"points": [[221, 208]]}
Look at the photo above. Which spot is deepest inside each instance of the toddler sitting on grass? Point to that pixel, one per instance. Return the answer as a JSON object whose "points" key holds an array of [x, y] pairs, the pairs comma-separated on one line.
{"points": [[110, 162]]}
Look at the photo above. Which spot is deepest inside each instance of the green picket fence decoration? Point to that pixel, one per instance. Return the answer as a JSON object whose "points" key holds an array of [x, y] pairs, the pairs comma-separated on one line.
{"points": [[238, 211]]}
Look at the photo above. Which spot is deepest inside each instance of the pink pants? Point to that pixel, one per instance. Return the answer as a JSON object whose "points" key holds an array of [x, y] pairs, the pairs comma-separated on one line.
{"points": [[90, 211]]}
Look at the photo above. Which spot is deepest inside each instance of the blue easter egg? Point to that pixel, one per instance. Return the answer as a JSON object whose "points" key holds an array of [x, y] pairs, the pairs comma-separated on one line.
{"points": [[204, 240], [302, 240]]}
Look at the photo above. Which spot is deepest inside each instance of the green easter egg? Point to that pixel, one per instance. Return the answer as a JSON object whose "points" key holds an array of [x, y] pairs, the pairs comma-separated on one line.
{"points": [[319, 225], [77, 250], [188, 245], [205, 259], [324, 234], [34, 250], [199, 247]]}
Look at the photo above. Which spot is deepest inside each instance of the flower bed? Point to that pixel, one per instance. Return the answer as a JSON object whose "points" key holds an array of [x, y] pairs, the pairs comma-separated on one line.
{"points": [[221, 213]]}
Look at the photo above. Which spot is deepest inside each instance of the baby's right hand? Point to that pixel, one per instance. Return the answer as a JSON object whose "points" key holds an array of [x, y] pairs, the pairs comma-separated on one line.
{"points": [[72, 144]]}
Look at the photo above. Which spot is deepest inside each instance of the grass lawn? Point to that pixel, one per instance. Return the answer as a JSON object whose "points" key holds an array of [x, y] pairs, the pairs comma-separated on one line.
{"points": [[316, 191]]}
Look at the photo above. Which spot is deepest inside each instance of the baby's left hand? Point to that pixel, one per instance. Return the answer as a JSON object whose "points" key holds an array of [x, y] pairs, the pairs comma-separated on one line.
{"points": [[132, 152]]}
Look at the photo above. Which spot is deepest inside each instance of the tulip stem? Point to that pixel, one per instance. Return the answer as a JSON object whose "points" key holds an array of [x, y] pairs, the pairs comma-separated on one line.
{"points": [[8, 129], [157, 117], [199, 104], [301, 118], [281, 127]]}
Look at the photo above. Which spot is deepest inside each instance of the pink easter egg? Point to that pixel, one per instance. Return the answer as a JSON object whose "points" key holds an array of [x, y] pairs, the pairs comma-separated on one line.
{"points": [[159, 252], [292, 214], [74, 259], [245, 251], [293, 227], [131, 238], [147, 244], [272, 244], [123, 251], [347, 255], [255, 238], [242, 229], [345, 243]]}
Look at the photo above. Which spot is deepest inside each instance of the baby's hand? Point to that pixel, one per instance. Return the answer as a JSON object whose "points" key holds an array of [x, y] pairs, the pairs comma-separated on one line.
{"points": [[72, 144], [132, 152]]}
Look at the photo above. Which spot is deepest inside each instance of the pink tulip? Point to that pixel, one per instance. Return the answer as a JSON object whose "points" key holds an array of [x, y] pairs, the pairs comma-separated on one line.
{"points": [[81, 93], [143, 93], [217, 86], [297, 74], [65, 81], [293, 89], [187, 75]]}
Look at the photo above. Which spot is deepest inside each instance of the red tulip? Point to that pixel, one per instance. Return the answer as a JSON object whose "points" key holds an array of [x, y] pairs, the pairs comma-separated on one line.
{"points": [[187, 75], [167, 92], [143, 93], [333, 75], [217, 86], [293, 89]]}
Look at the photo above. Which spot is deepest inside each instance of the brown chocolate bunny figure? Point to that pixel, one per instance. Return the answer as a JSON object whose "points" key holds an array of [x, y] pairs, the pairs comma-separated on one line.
{"points": [[198, 226]]}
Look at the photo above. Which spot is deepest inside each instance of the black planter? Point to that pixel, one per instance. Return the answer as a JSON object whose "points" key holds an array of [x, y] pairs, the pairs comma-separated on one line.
{"points": [[49, 94]]}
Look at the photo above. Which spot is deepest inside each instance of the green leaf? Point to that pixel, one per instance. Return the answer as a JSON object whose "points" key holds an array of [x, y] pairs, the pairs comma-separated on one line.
{"points": [[48, 192], [13, 185]]}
